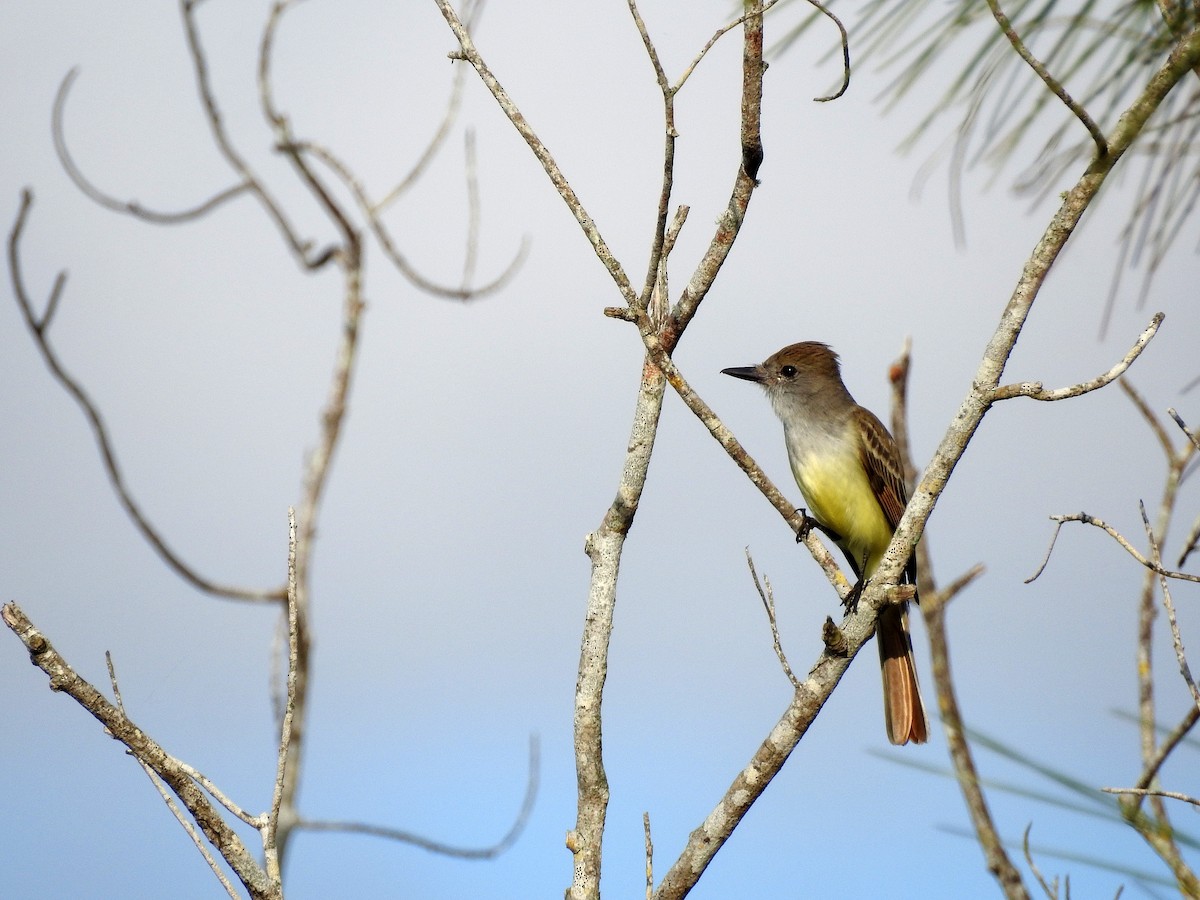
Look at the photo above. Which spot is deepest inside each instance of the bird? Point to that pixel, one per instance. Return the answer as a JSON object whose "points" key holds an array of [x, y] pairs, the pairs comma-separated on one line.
{"points": [[848, 468]]}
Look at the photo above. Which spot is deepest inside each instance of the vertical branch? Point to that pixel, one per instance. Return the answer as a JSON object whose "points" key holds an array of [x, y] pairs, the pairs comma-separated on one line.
{"points": [[604, 548], [349, 257], [315, 480], [1155, 826], [270, 829], [933, 608]]}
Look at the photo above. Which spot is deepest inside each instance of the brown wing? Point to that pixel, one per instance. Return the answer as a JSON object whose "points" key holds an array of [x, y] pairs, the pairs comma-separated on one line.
{"points": [[881, 460]]}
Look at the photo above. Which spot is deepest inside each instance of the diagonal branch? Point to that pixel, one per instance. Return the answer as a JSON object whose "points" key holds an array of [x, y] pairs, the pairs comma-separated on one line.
{"points": [[1051, 82], [63, 678], [469, 53]]}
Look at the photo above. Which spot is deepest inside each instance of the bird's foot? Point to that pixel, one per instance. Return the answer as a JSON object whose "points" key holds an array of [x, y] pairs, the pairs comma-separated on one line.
{"points": [[850, 601]]}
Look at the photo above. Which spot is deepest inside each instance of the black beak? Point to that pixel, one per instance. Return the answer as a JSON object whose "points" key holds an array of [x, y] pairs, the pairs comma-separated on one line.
{"points": [[746, 373]]}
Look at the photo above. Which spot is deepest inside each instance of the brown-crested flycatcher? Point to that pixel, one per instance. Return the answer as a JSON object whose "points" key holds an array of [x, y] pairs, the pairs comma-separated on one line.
{"points": [[848, 468]]}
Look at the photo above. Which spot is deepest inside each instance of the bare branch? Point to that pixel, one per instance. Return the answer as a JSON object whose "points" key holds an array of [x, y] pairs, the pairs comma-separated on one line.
{"points": [[63, 678], [286, 144], [649, 856], [1050, 889], [933, 609], [1155, 763], [416, 840], [1035, 391], [471, 12], [1176, 637], [472, 175], [1191, 435], [1144, 792], [1150, 418], [720, 33], [707, 839], [368, 209], [590, 230], [287, 724], [1189, 545], [301, 249], [845, 38], [1128, 547], [1046, 559], [768, 600], [39, 329], [1051, 82], [130, 207], [186, 824]]}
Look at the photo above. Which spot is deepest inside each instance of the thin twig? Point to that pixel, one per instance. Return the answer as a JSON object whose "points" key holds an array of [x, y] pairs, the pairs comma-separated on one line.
{"points": [[1120, 539], [39, 328], [768, 600], [130, 207], [1176, 637], [472, 175], [1035, 391], [720, 33], [1164, 750], [1149, 417], [388, 244], [1144, 792], [471, 13], [1050, 889], [416, 840], [1190, 544], [270, 827], [301, 249], [845, 38], [187, 825], [1051, 82], [469, 53], [1191, 435]]}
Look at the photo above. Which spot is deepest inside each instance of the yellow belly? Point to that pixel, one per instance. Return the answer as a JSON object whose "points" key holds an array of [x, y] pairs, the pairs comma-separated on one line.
{"points": [[839, 496]]}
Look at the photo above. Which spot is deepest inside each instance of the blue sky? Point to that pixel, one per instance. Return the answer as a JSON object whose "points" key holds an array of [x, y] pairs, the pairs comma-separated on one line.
{"points": [[484, 442]]}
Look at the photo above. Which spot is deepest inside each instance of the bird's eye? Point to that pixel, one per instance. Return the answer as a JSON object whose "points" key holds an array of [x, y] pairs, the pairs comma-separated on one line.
{"points": [[788, 371]]}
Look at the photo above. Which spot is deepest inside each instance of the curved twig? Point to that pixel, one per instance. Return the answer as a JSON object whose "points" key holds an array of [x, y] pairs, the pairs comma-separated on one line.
{"points": [[471, 13], [384, 237], [416, 840], [39, 327], [300, 249], [130, 207], [828, 13]]}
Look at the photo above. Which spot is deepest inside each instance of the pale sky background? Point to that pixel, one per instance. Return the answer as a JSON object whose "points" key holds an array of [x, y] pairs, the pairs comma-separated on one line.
{"points": [[484, 441]]}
